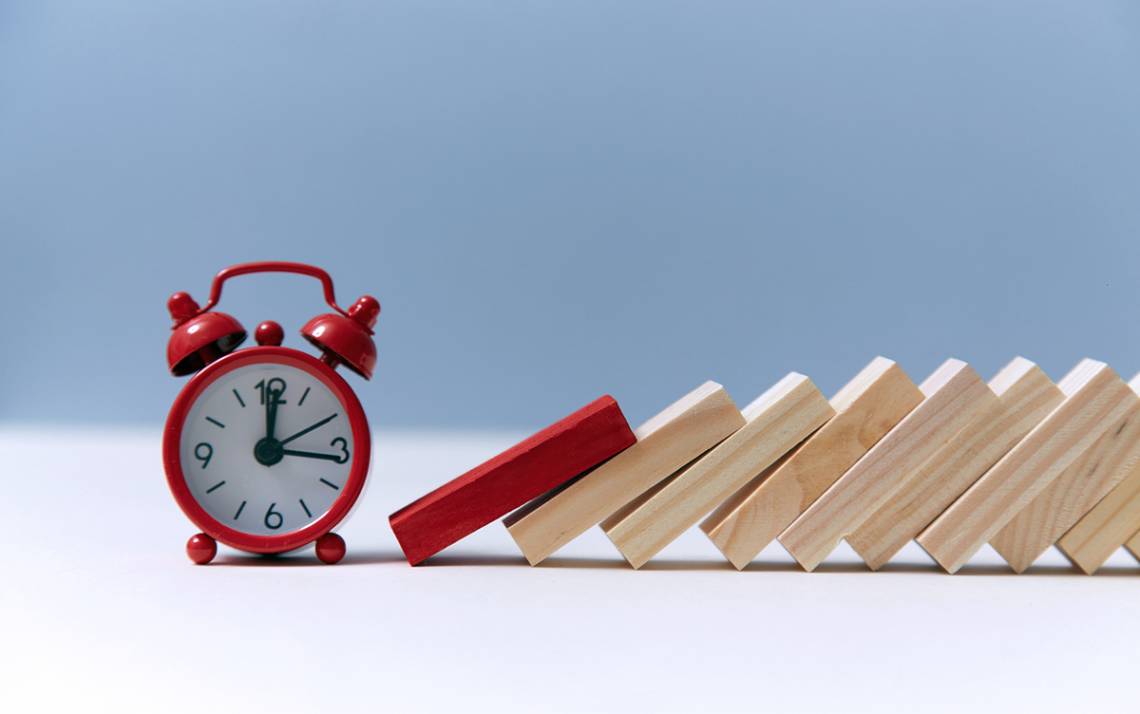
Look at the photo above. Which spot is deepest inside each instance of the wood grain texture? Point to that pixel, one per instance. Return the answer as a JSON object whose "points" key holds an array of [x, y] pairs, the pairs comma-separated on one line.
{"points": [[952, 394], [682, 432], [1094, 399], [543, 461], [1133, 545], [867, 407], [1021, 396], [775, 423], [1073, 493], [1111, 522]]}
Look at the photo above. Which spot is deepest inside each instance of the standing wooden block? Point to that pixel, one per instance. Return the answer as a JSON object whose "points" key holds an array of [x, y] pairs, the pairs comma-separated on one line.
{"points": [[775, 422], [1094, 399], [544, 461], [1074, 492], [682, 432], [952, 397], [866, 408], [1112, 521], [1022, 395]]}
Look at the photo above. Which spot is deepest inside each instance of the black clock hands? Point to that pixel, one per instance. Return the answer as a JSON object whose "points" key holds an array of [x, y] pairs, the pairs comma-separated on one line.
{"points": [[339, 442], [267, 451], [271, 450], [338, 458], [307, 429], [271, 398]]}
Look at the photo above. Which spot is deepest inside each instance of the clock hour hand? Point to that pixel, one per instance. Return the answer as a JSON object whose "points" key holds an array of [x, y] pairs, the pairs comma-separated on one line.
{"points": [[313, 455]]}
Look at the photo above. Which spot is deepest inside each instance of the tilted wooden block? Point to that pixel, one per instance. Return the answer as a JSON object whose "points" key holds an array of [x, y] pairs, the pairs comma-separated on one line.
{"points": [[953, 395], [1133, 545], [682, 432], [1112, 521], [1022, 395], [1074, 492], [1094, 399], [775, 422], [867, 407], [545, 460]]}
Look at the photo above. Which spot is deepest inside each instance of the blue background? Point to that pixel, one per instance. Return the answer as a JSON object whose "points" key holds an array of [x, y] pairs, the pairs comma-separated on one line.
{"points": [[553, 200]]}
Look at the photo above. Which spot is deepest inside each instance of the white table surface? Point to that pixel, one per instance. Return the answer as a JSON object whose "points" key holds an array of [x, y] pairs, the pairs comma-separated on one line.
{"points": [[102, 611]]}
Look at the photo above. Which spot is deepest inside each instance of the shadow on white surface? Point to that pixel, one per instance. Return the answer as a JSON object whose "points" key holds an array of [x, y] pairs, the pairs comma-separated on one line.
{"points": [[305, 559], [476, 629]]}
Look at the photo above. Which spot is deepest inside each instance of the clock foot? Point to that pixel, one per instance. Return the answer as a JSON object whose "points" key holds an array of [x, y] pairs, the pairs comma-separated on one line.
{"points": [[330, 548], [201, 548]]}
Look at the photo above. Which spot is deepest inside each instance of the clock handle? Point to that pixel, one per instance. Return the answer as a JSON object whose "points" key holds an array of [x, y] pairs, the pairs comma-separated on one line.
{"points": [[272, 266]]}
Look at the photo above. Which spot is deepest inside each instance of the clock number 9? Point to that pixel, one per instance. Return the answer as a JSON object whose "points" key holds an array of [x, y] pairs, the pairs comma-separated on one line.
{"points": [[204, 452], [273, 519]]}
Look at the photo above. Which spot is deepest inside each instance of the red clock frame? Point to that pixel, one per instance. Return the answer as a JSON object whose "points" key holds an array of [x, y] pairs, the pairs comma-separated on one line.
{"points": [[350, 492]]}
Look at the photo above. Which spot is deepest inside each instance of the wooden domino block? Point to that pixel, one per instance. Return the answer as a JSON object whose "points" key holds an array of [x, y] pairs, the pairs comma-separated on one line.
{"points": [[682, 432], [1022, 395], [953, 394], [1111, 522], [489, 491], [1094, 399], [775, 422], [1074, 492], [1133, 545], [866, 408]]}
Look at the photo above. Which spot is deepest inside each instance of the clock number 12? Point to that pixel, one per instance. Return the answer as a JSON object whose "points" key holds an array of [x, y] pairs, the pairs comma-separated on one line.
{"points": [[275, 385]]}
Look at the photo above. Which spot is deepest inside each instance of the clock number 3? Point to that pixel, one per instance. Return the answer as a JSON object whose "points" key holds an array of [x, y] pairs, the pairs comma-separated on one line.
{"points": [[344, 455], [273, 519]]}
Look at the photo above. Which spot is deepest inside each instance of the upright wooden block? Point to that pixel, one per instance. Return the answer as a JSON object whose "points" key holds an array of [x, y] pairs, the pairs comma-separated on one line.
{"points": [[866, 408], [1073, 493], [953, 394], [547, 459], [682, 432], [1094, 399], [1022, 395], [1112, 521], [775, 422]]}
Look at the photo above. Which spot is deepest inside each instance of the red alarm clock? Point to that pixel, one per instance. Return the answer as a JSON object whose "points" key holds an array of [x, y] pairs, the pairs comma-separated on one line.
{"points": [[267, 448]]}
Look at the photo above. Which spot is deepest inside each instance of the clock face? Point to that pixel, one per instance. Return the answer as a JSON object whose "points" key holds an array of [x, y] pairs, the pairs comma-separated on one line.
{"points": [[266, 449]]}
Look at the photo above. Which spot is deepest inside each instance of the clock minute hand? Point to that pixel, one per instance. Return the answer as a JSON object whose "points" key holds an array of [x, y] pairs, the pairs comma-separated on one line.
{"points": [[307, 429], [270, 412], [314, 455]]}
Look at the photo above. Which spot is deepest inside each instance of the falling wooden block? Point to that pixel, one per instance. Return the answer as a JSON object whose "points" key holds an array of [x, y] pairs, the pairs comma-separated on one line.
{"points": [[866, 408], [953, 394], [1112, 521], [1021, 396], [1133, 545], [775, 422], [682, 432], [1094, 399], [1074, 492], [544, 461]]}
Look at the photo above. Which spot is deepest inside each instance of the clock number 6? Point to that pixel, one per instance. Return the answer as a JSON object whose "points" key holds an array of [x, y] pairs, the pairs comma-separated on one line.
{"points": [[273, 519], [345, 456], [204, 452]]}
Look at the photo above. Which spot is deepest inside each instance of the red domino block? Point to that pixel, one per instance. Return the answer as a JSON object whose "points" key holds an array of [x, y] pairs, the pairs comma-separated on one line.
{"points": [[523, 472]]}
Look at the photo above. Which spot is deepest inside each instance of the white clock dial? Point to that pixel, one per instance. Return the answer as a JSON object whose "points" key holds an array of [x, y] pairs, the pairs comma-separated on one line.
{"points": [[259, 482]]}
